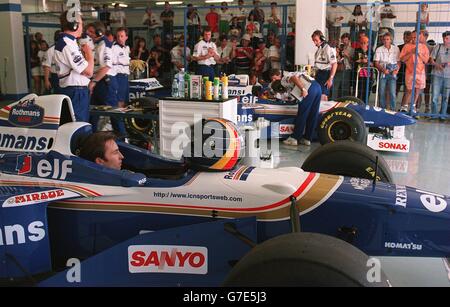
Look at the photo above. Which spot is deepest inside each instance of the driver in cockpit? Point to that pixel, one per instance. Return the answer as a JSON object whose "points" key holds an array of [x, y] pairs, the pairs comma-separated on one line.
{"points": [[101, 148]]}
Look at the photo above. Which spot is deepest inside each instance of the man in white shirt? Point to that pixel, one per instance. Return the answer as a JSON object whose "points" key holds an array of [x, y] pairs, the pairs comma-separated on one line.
{"points": [[387, 16], [335, 18], [103, 85], [387, 61], [118, 18], [74, 67], [325, 63], [205, 53], [178, 56], [152, 21], [121, 65], [51, 81], [308, 107]]}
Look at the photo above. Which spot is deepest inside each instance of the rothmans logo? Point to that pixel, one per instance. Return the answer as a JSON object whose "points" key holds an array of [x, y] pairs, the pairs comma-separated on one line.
{"points": [[26, 114]]}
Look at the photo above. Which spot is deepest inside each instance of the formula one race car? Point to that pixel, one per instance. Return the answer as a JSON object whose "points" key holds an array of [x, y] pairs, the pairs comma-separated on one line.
{"points": [[201, 221], [347, 118]]}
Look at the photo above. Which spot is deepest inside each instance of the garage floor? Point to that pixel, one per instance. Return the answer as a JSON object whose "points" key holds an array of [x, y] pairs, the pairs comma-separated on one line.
{"points": [[427, 166]]}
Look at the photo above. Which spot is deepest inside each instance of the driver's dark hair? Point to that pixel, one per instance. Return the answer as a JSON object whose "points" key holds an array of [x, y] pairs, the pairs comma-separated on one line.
{"points": [[94, 145], [277, 87]]}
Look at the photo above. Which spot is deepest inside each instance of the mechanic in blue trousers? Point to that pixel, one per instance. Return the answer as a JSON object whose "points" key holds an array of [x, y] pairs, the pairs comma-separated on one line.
{"points": [[205, 54], [325, 63], [121, 64], [103, 85], [308, 93], [74, 66]]}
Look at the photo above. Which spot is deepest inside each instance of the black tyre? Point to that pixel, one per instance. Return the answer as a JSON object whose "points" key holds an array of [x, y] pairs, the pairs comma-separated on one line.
{"points": [[303, 259], [351, 99], [341, 124], [348, 159]]}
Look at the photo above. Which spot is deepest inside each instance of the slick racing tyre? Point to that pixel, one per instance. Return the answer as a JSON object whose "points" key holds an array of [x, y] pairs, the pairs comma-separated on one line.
{"points": [[303, 259], [342, 124], [351, 99], [348, 159]]}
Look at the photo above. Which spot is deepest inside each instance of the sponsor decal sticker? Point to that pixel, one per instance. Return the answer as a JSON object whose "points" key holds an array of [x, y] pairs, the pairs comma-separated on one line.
{"points": [[38, 197], [18, 234], [26, 114], [12, 141], [168, 259], [404, 246], [24, 164], [286, 129], [77, 59], [401, 196], [360, 184]]}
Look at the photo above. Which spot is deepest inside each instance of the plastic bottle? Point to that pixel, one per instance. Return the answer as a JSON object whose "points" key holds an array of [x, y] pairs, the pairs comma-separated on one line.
{"points": [[175, 87], [208, 90], [181, 83], [216, 88], [224, 87], [204, 86], [187, 86]]}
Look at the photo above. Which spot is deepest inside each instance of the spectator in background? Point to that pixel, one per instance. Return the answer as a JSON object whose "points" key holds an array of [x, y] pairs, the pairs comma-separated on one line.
{"points": [[334, 21], [38, 37], [105, 17], [270, 39], [290, 52], [358, 23], [167, 17], [194, 25], [179, 54], [258, 15], [163, 58], [212, 18], [225, 18], [224, 51], [109, 36], [357, 44], [424, 16], [151, 20], [408, 56], [440, 59], [118, 18], [241, 14], [35, 67], [274, 19], [154, 64], [235, 29], [343, 77], [387, 61], [361, 60], [274, 54], [261, 58], [51, 81], [243, 56], [373, 22], [387, 16], [425, 96], [140, 52], [252, 25], [401, 73]]}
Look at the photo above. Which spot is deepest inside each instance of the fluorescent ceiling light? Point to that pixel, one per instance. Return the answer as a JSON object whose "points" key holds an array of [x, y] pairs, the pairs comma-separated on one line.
{"points": [[170, 2], [217, 1], [120, 4]]}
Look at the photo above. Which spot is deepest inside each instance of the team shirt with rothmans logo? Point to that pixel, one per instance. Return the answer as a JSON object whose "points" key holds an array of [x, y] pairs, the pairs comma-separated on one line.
{"points": [[201, 49], [70, 62], [325, 57], [103, 56], [121, 59]]}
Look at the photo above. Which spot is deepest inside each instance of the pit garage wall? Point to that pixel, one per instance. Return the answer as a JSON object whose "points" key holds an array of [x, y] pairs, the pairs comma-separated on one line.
{"points": [[12, 57], [310, 16]]}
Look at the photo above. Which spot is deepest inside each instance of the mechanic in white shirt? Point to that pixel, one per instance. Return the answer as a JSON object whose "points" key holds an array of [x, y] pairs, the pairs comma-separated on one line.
{"points": [[325, 63], [177, 55], [103, 85], [205, 54], [121, 65], [387, 61], [51, 81], [74, 67], [308, 103], [388, 17]]}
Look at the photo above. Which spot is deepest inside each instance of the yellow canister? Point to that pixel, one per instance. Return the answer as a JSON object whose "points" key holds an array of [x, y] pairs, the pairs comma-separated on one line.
{"points": [[208, 90]]}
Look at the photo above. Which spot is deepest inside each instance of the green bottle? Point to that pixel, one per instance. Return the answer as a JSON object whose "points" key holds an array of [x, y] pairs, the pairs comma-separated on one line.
{"points": [[187, 86]]}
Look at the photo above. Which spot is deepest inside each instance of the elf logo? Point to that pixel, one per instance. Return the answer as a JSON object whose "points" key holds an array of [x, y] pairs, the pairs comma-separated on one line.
{"points": [[167, 259], [23, 165]]}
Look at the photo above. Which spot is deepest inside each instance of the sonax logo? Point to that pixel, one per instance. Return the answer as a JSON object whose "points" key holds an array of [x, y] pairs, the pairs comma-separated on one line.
{"points": [[167, 259]]}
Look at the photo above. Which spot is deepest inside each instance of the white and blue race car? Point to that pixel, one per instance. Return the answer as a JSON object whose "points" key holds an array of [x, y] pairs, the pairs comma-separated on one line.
{"points": [[160, 222]]}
